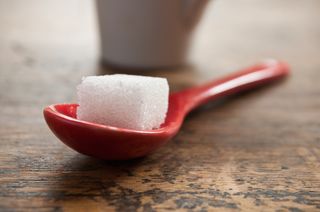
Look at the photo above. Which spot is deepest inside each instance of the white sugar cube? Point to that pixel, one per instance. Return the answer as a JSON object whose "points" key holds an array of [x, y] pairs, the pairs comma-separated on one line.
{"points": [[125, 101]]}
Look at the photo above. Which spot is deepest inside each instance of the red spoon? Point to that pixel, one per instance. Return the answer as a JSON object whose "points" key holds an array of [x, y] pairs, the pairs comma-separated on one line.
{"points": [[112, 143]]}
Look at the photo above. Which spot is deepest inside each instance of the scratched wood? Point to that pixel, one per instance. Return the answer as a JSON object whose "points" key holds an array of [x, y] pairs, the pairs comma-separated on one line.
{"points": [[259, 151]]}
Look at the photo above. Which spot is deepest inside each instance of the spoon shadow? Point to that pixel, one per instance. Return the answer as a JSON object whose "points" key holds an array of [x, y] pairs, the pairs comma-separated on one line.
{"points": [[88, 177], [229, 100]]}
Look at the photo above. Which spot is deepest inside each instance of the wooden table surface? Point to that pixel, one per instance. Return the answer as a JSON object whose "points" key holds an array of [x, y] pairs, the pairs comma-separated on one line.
{"points": [[259, 151]]}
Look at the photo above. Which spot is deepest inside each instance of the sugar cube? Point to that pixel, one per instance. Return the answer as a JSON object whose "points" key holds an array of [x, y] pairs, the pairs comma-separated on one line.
{"points": [[125, 101]]}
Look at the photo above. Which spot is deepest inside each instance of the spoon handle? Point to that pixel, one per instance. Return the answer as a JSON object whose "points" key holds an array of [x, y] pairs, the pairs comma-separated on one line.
{"points": [[246, 79]]}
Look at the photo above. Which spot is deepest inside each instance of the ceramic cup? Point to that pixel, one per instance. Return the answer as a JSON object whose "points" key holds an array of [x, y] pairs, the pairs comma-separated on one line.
{"points": [[146, 33]]}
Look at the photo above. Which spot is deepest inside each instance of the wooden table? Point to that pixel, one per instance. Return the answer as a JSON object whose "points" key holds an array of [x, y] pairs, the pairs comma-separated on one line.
{"points": [[259, 151]]}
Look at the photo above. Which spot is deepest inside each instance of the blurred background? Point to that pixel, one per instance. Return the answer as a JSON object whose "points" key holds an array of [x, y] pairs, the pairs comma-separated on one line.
{"points": [[57, 36], [57, 42]]}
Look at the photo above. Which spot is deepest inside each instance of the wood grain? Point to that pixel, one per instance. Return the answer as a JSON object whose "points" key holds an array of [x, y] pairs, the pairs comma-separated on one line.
{"points": [[259, 151]]}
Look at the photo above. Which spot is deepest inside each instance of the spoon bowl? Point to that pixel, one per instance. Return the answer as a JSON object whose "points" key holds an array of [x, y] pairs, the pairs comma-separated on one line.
{"points": [[108, 142], [114, 143]]}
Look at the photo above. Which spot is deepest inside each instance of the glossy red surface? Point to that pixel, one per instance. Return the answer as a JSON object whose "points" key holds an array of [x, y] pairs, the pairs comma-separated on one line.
{"points": [[112, 143]]}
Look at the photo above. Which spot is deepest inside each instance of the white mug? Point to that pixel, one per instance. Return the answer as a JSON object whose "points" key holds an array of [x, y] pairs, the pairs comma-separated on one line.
{"points": [[147, 33]]}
